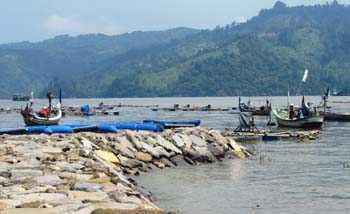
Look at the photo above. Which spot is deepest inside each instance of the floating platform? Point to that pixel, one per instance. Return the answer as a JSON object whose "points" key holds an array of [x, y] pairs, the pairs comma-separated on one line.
{"points": [[272, 136]]}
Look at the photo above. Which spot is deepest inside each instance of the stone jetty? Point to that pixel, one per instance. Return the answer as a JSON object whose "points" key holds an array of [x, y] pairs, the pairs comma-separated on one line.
{"points": [[88, 172]]}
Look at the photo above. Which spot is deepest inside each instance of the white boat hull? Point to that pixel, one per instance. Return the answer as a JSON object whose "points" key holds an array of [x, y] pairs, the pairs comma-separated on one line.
{"points": [[309, 122]]}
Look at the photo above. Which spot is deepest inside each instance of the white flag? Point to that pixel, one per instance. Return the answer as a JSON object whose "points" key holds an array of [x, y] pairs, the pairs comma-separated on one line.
{"points": [[306, 73]]}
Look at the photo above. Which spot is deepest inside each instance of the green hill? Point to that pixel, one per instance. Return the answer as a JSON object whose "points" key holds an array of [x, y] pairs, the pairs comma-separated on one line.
{"points": [[263, 56]]}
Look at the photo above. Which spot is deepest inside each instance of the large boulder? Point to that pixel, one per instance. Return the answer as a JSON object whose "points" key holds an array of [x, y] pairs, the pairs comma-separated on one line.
{"points": [[167, 145], [199, 154], [143, 157]]}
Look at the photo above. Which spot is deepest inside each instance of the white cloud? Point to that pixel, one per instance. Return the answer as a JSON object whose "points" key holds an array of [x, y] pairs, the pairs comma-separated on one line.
{"points": [[73, 26]]}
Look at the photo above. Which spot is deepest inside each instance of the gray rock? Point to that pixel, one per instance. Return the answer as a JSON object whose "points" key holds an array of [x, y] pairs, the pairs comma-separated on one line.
{"points": [[186, 139], [86, 143], [219, 139], [162, 152], [167, 162], [51, 180], [216, 150], [167, 145], [88, 187], [199, 154], [70, 167], [179, 160], [130, 163], [25, 173], [132, 138], [124, 141], [197, 141], [151, 141], [47, 197], [3, 180], [178, 141], [150, 149]]}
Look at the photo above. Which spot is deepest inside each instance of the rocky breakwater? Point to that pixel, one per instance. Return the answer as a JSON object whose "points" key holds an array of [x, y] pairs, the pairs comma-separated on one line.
{"points": [[87, 172]]}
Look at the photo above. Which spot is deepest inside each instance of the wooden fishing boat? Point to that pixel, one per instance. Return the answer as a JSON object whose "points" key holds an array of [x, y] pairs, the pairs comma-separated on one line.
{"points": [[47, 116], [259, 111], [36, 119], [283, 120], [332, 116]]}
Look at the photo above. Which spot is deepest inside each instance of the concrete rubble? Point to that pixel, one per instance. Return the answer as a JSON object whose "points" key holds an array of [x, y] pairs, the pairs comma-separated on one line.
{"points": [[88, 172]]}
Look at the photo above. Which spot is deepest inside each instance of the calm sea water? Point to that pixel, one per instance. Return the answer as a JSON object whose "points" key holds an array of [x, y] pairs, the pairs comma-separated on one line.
{"points": [[283, 177]]}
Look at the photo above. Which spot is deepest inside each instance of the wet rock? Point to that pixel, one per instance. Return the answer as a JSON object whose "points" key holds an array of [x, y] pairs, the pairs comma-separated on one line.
{"points": [[199, 154], [159, 164], [236, 148], [131, 171], [143, 157], [167, 162], [189, 161], [179, 160], [217, 151]]}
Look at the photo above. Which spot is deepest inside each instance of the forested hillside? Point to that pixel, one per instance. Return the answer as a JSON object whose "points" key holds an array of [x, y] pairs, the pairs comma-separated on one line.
{"points": [[263, 56]]}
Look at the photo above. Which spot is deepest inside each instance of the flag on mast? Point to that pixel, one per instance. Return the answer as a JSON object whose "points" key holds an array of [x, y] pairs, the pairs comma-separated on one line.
{"points": [[306, 73]]}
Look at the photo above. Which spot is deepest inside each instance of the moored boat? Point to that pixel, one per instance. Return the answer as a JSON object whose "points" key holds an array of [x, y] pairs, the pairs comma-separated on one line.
{"points": [[22, 97], [284, 120], [332, 116], [259, 111], [47, 116]]}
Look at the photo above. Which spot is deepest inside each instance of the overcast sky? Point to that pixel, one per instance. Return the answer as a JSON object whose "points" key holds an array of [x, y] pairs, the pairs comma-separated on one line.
{"points": [[35, 20]]}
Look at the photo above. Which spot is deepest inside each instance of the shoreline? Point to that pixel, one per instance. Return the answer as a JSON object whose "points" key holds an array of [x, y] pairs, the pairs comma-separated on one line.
{"points": [[88, 172]]}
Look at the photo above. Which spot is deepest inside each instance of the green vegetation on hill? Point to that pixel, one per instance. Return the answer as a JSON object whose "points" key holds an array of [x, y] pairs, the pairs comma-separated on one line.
{"points": [[263, 56]]}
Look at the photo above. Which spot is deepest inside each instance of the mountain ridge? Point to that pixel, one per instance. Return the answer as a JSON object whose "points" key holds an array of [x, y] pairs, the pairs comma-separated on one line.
{"points": [[264, 56]]}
